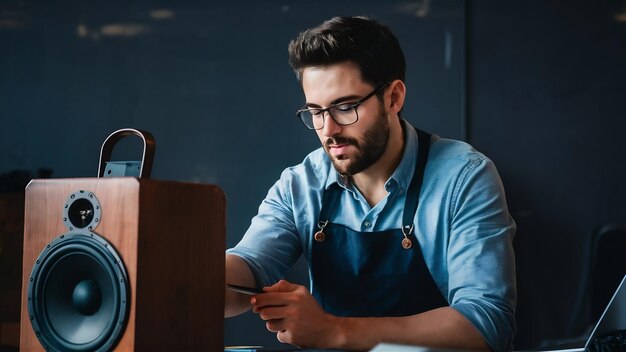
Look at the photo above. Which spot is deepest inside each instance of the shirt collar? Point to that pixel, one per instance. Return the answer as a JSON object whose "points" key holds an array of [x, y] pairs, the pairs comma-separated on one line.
{"points": [[335, 178], [403, 173]]}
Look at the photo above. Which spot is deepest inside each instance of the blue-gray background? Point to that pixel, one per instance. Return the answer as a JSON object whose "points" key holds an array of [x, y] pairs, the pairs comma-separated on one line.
{"points": [[209, 80], [538, 86]]}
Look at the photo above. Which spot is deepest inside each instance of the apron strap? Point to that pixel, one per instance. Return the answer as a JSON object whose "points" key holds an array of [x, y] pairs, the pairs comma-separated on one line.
{"points": [[329, 198], [413, 193]]}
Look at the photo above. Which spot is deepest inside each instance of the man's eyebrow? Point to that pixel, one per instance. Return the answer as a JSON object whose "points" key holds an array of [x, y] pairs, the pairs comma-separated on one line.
{"points": [[334, 102]]}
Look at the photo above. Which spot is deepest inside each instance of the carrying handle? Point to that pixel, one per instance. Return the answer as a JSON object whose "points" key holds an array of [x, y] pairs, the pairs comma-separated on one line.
{"points": [[149, 145]]}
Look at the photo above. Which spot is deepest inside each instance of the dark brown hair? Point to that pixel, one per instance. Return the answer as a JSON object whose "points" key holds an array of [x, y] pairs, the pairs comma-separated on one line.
{"points": [[361, 40]]}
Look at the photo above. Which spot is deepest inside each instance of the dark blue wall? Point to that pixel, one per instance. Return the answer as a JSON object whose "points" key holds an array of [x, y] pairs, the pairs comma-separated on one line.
{"points": [[209, 80], [546, 93], [545, 84]]}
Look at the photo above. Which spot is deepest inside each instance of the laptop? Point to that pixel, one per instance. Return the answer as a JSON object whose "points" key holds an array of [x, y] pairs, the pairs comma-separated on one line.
{"points": [[612, 319]]}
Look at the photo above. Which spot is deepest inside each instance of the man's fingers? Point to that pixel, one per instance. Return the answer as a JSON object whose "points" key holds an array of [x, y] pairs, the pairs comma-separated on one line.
{"points": [[271, 299], [284, 336], [275, 325], [270, 313], [281, 286]]}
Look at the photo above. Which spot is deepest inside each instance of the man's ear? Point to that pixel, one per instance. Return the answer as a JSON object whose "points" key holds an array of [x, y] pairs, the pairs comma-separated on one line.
{"points": [[397, 92]]}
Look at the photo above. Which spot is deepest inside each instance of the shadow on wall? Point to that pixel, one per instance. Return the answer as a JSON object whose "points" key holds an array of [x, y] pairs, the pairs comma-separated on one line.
{"points": [[12, 185]]}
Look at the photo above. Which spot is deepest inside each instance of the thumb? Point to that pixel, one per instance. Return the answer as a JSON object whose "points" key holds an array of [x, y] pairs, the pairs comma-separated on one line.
{"points": [[281, 286]]}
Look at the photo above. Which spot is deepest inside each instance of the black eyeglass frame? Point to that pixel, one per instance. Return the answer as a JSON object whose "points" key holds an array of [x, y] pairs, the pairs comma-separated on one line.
{"points": [[354, 106]]}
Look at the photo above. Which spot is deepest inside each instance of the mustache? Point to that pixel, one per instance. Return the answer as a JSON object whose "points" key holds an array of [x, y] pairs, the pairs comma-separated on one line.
{"points": [[341, 140]]}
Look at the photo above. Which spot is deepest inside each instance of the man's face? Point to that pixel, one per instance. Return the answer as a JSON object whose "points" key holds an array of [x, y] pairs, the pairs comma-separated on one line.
{"points": [[355, 147]]}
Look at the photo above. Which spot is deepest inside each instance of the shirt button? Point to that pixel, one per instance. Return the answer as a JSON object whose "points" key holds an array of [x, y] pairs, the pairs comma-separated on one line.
{"points": [[367, 224]]}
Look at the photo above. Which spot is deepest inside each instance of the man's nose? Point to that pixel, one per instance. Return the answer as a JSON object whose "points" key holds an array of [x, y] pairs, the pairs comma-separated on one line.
{"points": [[331, 127]]}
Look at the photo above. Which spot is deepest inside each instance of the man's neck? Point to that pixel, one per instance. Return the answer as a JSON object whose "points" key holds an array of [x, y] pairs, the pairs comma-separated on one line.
{"points": [[371, 181]]}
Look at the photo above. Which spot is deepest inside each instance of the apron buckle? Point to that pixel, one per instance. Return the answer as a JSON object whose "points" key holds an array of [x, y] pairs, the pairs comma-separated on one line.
{"points": [[406, 241], [319, 235]]}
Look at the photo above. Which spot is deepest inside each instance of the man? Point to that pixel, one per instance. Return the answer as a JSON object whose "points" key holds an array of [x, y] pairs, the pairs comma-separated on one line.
{"points": [[407, 235]]}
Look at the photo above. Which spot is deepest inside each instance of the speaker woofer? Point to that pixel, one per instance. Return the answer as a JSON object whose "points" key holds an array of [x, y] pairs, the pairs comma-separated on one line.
{"points": [[78, 294]]}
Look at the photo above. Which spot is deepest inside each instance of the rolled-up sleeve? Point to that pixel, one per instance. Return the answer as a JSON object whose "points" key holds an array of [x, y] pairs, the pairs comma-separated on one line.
{"points": [[481, 260], [271, 244]]}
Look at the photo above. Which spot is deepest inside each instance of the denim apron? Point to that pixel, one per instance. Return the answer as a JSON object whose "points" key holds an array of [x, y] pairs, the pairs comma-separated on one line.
{"points": [[373, 274]]}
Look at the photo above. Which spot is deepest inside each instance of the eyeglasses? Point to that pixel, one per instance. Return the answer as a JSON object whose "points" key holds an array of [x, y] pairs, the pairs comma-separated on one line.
{"points": [[343, 113]]}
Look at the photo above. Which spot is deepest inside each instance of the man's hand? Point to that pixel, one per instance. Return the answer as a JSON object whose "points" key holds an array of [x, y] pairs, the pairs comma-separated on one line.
{"points": [[295, 316]]}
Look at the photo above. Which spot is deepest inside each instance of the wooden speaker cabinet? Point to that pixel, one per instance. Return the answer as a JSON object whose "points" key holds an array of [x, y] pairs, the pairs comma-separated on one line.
{"points": [[123, 263]]}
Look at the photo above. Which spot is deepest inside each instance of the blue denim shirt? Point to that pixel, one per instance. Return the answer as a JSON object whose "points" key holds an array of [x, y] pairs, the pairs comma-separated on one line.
{"points": [[463, 226]]}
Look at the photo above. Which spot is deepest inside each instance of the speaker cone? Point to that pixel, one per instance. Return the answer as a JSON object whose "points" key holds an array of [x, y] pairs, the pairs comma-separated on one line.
{"points": [[78, 294]]}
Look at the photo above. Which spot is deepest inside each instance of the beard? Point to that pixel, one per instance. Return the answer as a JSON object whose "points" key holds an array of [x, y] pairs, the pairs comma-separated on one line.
{"points": [[368, 150]]}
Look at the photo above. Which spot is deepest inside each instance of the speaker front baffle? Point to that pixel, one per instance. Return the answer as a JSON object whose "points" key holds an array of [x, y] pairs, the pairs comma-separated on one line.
{"points": [[123, 263]]}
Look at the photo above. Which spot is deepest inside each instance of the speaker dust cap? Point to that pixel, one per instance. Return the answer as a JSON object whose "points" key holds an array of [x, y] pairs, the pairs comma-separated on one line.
{"points": [[78, 295], [82, 211]]}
